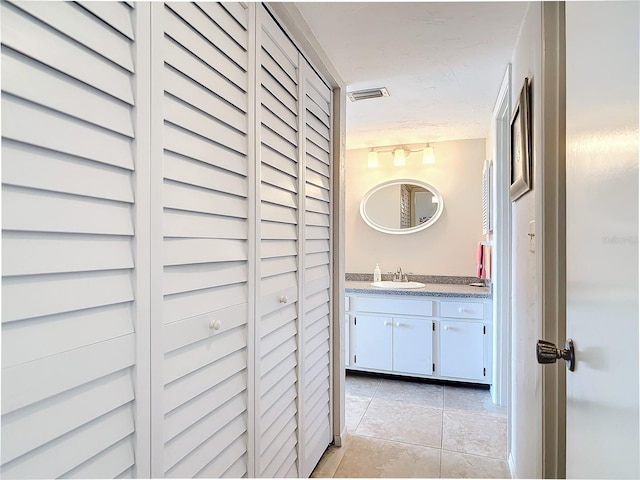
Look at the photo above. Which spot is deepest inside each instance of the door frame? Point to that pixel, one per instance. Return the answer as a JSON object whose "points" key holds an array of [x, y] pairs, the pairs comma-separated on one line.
{"points": [[553, 235], [501, 386], [501, 391]]}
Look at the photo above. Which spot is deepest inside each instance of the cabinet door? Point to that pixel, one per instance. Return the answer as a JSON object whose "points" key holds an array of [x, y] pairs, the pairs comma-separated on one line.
{"points": [[347, 338], [412, 345], [373, 342], [462, 350]]}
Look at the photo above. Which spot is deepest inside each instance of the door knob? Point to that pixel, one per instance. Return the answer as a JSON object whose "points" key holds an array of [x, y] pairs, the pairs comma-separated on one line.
{"points": [[547, 352]]}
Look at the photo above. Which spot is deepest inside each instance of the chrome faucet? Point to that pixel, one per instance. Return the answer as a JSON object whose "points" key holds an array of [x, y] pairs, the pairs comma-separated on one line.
{"points": [[399, 276]]}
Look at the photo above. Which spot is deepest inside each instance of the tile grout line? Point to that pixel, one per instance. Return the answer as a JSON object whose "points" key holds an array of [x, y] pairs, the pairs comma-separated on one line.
{"points": [[368, 405], [476, 455], [366, 408], [463, 412], [356, 427]]}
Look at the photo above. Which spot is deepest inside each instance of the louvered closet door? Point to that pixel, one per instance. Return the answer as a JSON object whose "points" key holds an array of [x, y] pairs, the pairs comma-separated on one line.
{"points": [[205, 231], [277, 329], [72, 402], [316, 330]]}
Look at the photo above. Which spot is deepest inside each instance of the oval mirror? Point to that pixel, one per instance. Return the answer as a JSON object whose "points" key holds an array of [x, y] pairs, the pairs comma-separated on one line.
{"points": [[401, 206]]}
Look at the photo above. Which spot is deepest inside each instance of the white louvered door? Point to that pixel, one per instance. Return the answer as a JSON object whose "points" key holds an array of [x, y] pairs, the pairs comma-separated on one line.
{"points": [[315, 374], [277, 303], [203, 392], [166, 239], [74, 335]]}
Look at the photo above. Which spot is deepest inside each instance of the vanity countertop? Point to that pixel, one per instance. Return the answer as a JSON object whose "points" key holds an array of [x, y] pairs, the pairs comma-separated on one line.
{"points": [[429, 290]]}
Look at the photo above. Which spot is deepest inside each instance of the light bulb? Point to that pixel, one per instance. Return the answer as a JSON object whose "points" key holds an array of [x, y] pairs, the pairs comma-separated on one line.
{"points": [[399, 159], [428, 157], [372, 159]]}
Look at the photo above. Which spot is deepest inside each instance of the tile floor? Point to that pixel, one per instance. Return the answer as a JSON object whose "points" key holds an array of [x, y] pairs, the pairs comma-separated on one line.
{"points": [[409, 429]]}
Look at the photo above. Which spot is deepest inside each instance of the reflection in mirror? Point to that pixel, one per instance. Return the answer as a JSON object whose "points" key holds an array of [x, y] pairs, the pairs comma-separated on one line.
{"points": [[401, 206]]}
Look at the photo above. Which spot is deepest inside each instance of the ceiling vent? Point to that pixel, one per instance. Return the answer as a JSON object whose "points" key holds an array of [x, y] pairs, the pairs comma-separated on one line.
{"points": [[367, 94]]}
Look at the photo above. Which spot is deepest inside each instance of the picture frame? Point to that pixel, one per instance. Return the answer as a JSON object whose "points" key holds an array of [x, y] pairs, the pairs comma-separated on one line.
{"points": [[520, 150]]}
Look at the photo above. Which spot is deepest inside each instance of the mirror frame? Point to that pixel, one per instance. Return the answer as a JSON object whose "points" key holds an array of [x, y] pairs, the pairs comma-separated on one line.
{"points": [[401, 231]]}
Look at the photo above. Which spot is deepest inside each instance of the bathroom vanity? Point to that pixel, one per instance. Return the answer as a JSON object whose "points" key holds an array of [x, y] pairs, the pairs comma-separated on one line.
{"points": [[441, 331]]}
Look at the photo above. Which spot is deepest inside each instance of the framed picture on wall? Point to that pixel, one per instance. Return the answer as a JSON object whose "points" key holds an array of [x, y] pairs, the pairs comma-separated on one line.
{"points": [[521, 145]]}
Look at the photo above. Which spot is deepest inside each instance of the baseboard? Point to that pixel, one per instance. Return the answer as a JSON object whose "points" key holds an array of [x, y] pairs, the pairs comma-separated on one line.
{"points": [[338, 439], [512, 465]]}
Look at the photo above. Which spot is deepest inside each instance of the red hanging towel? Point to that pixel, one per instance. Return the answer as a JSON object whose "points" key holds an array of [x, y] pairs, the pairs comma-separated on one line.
{"points": [[480, 256]]}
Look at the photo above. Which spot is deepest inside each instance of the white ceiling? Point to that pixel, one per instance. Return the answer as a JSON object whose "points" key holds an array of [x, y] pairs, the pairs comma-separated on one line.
{"points": [[441, 62]]}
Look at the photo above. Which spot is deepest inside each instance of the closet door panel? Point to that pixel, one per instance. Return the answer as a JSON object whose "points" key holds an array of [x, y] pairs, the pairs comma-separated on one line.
{"points": [[72, 402], [316, 324], [277, 330], [204, 252]]}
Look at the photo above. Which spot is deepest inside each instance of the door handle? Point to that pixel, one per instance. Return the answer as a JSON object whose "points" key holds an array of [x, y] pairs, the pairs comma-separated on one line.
{"points": [[547, 352]]}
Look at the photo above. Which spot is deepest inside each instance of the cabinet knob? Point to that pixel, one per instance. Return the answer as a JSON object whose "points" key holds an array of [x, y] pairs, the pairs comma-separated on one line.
{"points": [[446, 327], [215, 324], [398, 324], [283, 299], [461, 310], [386, 323]]}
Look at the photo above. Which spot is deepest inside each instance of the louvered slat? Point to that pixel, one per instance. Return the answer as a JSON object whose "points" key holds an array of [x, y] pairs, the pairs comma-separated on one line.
{"points": [[180, 419], [187, 388], [55, 458], [47, 336], [56, 50], [198, 302], [84, 28], [52, 89]]}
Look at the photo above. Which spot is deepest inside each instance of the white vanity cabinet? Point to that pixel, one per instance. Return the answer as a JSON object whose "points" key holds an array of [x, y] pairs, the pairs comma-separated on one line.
{"points": [[401, 344], [446, 338], [464, 341]]}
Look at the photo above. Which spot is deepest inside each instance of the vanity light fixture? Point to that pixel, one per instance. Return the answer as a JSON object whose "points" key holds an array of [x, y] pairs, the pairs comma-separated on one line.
{"points": [[372, 159], [399, 157], [400, 154], [428, 156]]}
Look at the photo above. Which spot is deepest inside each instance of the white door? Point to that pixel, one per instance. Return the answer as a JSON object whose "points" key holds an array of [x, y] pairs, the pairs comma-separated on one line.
{"points": [[315, 328], [200, 220], [75, 338], [602, 238], [278, 347]]}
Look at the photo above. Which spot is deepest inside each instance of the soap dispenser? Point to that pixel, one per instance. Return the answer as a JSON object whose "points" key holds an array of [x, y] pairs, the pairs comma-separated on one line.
{"points": [[377, 275]]}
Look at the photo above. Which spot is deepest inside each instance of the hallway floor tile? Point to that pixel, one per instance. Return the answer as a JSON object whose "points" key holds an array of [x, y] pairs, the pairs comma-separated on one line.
{"points": [[406, 429]]}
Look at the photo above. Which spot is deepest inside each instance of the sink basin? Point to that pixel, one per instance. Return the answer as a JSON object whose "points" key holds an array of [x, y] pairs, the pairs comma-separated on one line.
{"points": [[397, 285]]}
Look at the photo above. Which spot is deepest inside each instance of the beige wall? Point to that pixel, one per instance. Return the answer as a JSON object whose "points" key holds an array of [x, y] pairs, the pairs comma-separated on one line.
{"points": [[446, 248]]}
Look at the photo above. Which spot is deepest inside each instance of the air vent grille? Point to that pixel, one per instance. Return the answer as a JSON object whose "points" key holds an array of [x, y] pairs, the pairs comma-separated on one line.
{"points": [[367, 94]]}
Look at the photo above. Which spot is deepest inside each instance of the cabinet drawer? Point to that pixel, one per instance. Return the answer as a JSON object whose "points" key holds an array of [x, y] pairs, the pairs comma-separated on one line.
{"points": [[395, 306], [461, 310]]}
